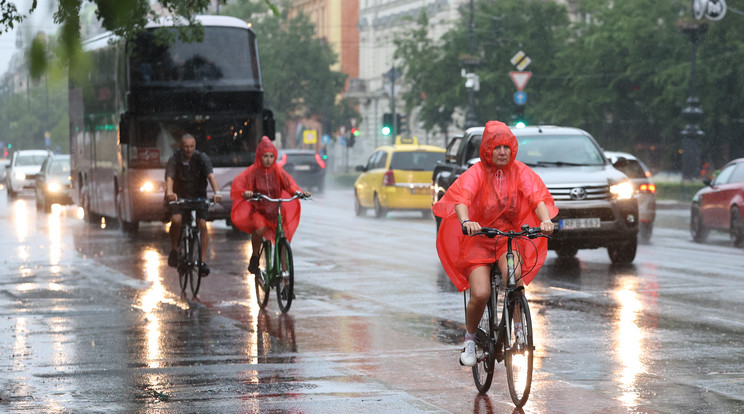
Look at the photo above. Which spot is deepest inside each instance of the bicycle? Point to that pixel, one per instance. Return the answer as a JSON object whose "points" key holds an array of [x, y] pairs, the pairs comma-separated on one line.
{"points": [[276, 265], [496, 337], [189, 245]]}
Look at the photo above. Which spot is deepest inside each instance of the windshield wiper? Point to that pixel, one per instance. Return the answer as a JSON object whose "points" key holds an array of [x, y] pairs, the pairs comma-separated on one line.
{"points": [[560, 163]]}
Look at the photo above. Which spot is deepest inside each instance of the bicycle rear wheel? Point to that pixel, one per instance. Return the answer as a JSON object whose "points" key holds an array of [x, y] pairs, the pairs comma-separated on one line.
{"points": [[196, 258], [518, 357], [285, 282], [484, 348], [183, 258], [260, 280]]}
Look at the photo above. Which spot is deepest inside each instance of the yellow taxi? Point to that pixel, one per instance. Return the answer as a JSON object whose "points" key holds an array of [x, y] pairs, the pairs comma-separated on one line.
{"points": [[397, 177]]}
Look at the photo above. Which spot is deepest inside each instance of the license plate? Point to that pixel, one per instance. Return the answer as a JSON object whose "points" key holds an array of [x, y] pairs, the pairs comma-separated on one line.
{"points": [[302, 168], [581, 223], [420, 190]]}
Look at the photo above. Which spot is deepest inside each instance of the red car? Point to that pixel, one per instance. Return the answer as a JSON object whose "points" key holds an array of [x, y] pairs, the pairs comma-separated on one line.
{"points": [[720, 204]]}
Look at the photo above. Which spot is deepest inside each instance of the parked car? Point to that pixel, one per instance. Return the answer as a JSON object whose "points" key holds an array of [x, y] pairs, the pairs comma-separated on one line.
{"points": [[53, 182], [397, 177], [305, 166], [645, 190], [720, 204], [596, 203], [21, 173], [3, 171]]}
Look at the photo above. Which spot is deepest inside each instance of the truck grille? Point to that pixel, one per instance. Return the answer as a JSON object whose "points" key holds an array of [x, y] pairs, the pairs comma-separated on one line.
{"points": [[580, 192]]}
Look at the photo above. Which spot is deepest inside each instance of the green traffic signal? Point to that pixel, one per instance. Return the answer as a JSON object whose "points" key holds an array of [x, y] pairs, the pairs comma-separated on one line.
{"points": [[386, 130]]}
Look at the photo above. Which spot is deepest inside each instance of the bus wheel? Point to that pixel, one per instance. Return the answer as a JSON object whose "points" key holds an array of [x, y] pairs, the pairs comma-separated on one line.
{"points": [[90, 217], [130, 227]]}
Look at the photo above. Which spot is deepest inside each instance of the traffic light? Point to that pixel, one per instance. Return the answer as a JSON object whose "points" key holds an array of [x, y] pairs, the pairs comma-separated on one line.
{"points": [[387, 124], [401, 126], [519, 120]]}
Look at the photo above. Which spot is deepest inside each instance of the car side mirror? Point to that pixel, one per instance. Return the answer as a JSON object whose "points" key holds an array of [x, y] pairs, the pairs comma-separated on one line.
{"points": [[361, 168], [707, 181]]}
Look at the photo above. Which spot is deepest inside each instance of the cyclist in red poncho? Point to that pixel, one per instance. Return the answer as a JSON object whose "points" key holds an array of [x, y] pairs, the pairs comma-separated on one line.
{"points": [[498, 192], [255, 217]]}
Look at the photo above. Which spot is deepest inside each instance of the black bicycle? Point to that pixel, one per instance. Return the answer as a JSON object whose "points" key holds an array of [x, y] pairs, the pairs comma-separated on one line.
{"points": [[502, 338], [189, 244]]}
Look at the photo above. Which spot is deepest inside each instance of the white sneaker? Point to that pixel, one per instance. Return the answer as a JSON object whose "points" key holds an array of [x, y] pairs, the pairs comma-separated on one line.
{"points": [[467, 357]]}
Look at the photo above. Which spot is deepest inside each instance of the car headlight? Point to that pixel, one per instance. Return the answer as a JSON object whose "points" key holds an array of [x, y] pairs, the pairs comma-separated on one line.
{"points": [[147, 187], [19, 175], [623, 190], [53, 187]]}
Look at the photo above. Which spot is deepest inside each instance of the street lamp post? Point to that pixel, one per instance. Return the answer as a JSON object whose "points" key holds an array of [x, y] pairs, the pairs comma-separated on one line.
{"points": [[692, 113], [470, 119]]}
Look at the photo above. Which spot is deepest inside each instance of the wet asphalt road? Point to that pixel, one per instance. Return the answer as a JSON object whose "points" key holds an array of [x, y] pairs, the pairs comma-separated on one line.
{"points": [[92, 321]]}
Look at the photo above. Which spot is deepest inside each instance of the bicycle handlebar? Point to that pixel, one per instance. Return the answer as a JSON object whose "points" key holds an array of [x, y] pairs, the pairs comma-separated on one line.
{"points": [[258, 196], [192, 201], [527, 231]]}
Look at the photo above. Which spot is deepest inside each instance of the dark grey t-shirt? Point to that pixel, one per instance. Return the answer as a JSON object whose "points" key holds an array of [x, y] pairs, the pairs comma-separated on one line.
{"points": [[189, 178]]}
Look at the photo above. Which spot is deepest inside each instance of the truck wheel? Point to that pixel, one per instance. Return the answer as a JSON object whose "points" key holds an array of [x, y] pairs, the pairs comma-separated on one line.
{"points": [[566, 252], [623, 253]]}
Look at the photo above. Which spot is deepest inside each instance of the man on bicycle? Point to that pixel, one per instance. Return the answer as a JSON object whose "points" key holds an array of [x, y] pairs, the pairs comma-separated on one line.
{"points": [[186, 176], [265, 176], [498, 192]]}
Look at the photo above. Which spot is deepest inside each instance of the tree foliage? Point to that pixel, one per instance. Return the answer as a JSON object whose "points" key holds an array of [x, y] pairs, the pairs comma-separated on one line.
{"points": [[296, 68], [620, 70]]}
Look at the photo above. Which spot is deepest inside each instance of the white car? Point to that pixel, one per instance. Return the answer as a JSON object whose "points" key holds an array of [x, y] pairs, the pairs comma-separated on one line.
{"points": [[22, 170]]}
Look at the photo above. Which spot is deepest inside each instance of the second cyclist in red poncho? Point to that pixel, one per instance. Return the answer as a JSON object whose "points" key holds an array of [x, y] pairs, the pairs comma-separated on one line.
{"points": [[256, 217], [498, 192]]}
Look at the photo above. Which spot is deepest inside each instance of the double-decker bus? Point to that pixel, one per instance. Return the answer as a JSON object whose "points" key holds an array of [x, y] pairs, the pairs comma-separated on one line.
{"points": [[136, 99]]}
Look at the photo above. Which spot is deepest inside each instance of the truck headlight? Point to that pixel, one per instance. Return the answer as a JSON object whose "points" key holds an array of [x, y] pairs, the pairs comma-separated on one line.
{"points": [[19, 175], [623, 190], [53, 187]]}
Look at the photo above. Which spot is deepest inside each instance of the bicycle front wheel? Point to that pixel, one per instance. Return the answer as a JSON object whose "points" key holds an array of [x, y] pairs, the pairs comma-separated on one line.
{"points": [[519, 355], [484, 348], [261, 279], [285, 283], [183, 259], [196, 258]]}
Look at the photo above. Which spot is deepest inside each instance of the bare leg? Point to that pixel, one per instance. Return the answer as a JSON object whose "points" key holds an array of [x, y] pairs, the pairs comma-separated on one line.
{"points": [[480, 292], [257, 239], [204, 238]]}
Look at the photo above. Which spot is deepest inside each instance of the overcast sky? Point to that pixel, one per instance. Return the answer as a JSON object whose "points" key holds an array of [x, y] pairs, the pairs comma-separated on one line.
{"points": [[40, 20]]}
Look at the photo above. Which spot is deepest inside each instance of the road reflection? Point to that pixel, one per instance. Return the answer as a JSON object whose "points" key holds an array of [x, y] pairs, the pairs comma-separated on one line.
{"points": [[54, 226], [21, 222], [629, 340]]}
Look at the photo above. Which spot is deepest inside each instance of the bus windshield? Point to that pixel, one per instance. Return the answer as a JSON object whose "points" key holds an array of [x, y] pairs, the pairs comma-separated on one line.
{"points": [[225, 140], [154, 64]]}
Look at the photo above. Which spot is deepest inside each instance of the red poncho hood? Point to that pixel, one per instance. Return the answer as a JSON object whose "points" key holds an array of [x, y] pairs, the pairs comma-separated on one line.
{"points": [[273, 182], [503, 198]]}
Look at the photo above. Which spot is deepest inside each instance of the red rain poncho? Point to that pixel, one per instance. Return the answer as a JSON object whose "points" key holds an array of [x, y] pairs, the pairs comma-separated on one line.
{"points": [[504, 199], [273, 182]]}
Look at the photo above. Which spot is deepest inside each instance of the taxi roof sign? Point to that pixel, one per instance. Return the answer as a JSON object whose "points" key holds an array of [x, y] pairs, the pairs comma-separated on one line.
{"points": [[406, 140]]}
